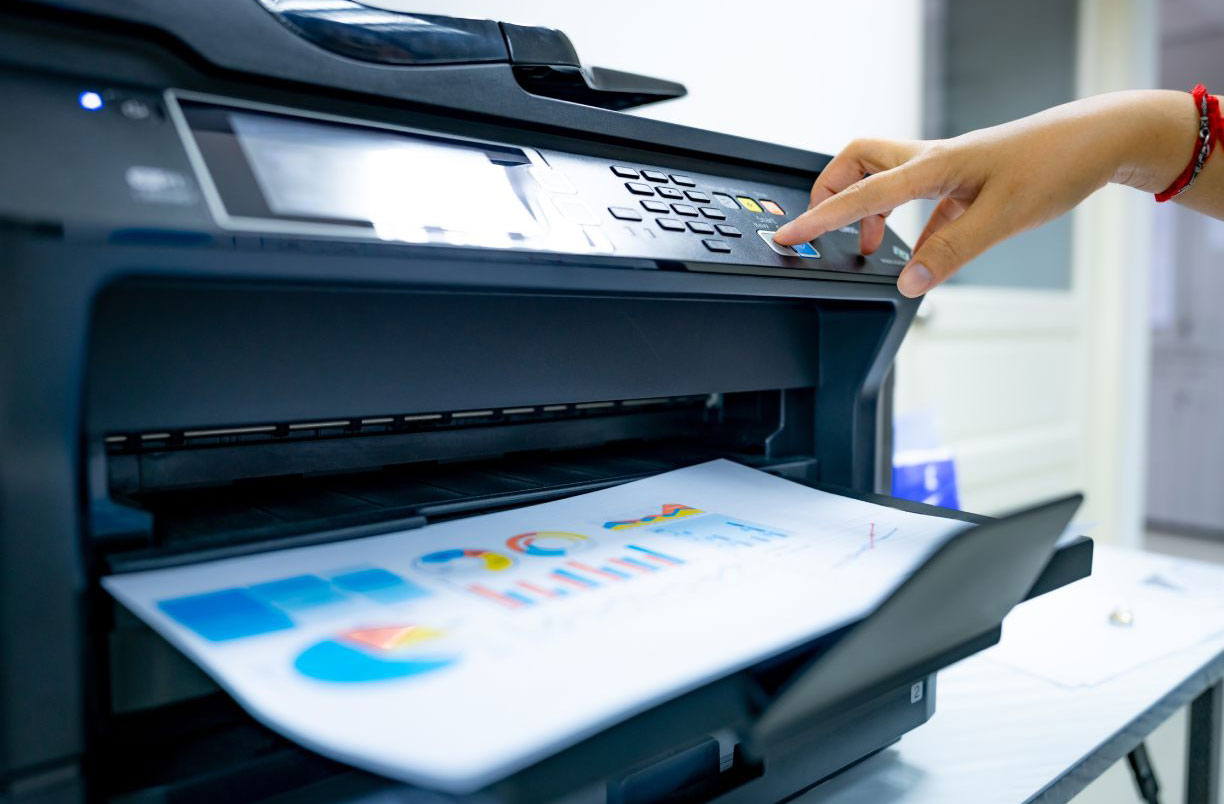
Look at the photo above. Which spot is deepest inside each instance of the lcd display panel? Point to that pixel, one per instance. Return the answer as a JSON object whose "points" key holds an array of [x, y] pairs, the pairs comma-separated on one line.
{"points": [[402, 185], [271, 170]]}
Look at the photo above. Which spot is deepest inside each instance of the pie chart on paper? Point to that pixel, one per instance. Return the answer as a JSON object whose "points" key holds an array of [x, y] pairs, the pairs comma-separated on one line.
{"points": [[463, 561], [549, 543], [376, 654]]}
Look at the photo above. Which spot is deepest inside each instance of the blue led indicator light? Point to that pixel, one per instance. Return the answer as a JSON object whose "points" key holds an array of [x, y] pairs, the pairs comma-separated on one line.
{"points": [[90, 101]]}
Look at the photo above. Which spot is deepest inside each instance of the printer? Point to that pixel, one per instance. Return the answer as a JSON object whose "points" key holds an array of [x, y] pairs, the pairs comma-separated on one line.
{"points": [[289, 272]]}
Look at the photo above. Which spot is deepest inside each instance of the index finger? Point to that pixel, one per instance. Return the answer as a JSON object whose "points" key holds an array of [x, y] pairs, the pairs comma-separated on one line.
{"points": [[847, 171], [874, 195], [857, 160]]}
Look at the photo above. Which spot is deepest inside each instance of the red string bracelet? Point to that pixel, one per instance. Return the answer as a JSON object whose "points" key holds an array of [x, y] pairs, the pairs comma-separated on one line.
{"points": [[1211, 129]]}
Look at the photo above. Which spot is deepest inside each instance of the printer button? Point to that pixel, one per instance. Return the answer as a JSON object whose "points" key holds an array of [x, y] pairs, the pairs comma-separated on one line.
{"points": [[727, 230], [683, 181], [625, 213], [767, 235], [714, 213], [806, 250], [772, 207], [554, 181], [685, 210], [598, 240], [654, 206], [700, 198], [717, 246], [624, 172], [575, 210], [654, 175], [638, 188], [668, 192], [700, 227], [670, 224]]}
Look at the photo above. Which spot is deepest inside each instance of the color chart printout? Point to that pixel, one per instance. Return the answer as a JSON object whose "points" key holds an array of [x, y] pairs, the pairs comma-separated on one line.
{"points": [[451, 655]]}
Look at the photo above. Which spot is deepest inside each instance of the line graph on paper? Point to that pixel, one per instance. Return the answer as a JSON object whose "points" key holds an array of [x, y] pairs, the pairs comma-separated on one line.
{"points": [[875, 537]]}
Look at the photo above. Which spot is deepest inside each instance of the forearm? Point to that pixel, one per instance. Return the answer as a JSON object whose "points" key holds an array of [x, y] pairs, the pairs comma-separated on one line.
{"points": [[1154, 141]]}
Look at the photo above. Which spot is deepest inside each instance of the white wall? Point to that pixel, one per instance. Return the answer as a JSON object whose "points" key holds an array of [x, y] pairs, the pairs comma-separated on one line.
{"points": [[809, 74]]}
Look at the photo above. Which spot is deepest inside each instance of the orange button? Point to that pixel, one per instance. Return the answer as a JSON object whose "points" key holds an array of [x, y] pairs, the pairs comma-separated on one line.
{"points": [[749, 204], [772, 207]]}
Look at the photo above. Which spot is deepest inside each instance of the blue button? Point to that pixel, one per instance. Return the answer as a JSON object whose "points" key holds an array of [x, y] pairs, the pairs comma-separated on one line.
{"points": [[806, 250]]}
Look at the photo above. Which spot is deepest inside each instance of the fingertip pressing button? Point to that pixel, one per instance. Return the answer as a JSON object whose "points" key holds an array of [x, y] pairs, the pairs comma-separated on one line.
{"points": [[768, 236]]}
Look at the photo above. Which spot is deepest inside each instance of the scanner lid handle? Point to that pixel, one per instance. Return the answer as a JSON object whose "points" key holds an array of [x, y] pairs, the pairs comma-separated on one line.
{"points": [[544, 60]]}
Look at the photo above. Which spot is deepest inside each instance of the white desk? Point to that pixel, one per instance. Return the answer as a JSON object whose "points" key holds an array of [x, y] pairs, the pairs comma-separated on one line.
{"points": [[1003, 735]]}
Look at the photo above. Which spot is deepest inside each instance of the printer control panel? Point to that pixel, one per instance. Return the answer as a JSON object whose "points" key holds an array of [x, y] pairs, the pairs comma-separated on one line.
{"points": [[186, 167], [271, 170]]}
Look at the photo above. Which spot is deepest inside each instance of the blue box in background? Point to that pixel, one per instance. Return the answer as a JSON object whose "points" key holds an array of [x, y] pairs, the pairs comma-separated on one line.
{"points": [[925, 476], [923, 469]]}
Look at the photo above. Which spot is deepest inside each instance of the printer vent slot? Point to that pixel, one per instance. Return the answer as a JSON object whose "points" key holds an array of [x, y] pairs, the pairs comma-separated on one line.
{"points": [[160, 460], [126, 443]]}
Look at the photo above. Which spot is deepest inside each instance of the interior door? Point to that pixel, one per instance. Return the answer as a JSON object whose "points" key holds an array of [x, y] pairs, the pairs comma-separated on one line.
{"points": [[1027, 359]]}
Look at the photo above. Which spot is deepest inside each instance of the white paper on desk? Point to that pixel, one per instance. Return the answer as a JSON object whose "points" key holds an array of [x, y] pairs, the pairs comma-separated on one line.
{"points": [[1067, 637], [452, 671]]}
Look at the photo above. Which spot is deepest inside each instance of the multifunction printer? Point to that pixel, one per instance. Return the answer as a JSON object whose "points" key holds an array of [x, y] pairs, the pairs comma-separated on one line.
{"points": [[284, 273]]}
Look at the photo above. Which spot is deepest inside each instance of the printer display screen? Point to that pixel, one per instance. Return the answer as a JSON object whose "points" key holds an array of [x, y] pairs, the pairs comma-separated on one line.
{"points": [[401, 185], [282, 172]]}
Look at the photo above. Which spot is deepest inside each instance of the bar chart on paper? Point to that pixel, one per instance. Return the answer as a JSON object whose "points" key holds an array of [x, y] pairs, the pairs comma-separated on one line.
{"points": [[720, 531], [573, 576]]}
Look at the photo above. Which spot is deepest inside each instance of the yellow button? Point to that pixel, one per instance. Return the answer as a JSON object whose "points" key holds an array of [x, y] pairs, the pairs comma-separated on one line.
{"points": [[772, 207], [749, 204]]}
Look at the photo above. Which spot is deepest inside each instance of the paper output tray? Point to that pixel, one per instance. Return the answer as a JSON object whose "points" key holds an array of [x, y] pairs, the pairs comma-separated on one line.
{"points": [[806, 715]]}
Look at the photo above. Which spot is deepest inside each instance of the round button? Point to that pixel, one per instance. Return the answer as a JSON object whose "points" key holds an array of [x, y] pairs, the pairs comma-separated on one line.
{"points": [[135, 109]]}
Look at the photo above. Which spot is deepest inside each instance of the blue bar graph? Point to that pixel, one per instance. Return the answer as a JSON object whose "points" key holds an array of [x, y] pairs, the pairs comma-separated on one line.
{"points": [[657, 556], [574, 577]]}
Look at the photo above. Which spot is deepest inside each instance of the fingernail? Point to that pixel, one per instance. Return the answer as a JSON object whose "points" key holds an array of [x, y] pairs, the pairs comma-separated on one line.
{"points": [[915, 280]]}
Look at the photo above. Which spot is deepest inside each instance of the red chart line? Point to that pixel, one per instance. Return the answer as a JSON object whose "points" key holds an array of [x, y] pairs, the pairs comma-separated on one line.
{"points": [[508, 602], [539, 590]]}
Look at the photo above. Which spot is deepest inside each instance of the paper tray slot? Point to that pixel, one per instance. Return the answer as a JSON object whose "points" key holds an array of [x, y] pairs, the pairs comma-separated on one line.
{"points": [[204, 524]]}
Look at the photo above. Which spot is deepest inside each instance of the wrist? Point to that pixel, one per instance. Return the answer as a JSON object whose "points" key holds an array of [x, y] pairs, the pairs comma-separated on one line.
{"points": [[1157, 137]]}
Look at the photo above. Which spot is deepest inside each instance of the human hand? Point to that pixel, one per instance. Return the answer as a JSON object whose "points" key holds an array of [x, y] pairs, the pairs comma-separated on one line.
{"points": [[997, 182]]}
